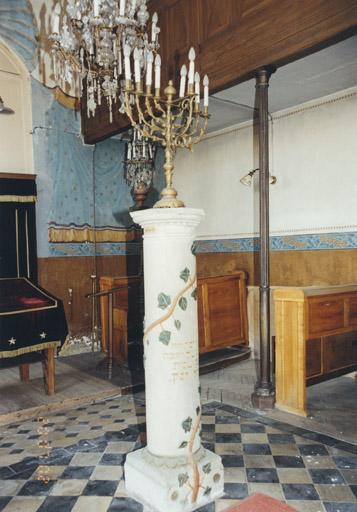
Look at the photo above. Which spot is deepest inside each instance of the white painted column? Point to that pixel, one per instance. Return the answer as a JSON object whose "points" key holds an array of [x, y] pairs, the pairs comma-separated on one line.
{"points": [[174, 472]]}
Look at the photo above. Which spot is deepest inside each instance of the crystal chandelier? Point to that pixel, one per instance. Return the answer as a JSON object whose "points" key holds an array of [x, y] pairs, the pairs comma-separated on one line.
{"points": [[139, 162], [88, 42]]}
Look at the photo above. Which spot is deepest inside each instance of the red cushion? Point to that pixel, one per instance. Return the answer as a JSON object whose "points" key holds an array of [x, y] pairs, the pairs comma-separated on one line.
{"points": [[260, 503]]}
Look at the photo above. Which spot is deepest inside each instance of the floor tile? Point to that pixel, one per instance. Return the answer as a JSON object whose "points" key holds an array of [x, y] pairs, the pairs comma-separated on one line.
{"points": [[58, 504], [235, 490], [340, 507], [312, 449], [92, 504], [281, 439], [307, 506], [226, 428], [335, 492], [284, 449], [319, 462], [107, 473], [4, 500], [256, 449], [262, 475], [354, 489], [228, 438], [228, 449], [24, 504], [125, 505], [100, 488], [273, 490], [326, 476], [300, 492], [232, 475], [232, 461], [69, 487], [221, 505], [120, 447], [78, 472], [86, 459], [258, 461], [346, 462], [10, 487], [252, 428], [36, 488], [226, 419], [286, 461], [350, 475], [294, 476]]}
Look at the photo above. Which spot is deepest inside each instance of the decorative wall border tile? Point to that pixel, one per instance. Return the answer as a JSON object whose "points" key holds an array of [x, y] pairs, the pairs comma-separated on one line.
{"points": [[308, 242], [100, 249]]}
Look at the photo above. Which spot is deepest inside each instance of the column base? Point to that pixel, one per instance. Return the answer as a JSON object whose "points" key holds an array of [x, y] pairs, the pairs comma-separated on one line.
{"points": [[165, 484], [263, 401]]}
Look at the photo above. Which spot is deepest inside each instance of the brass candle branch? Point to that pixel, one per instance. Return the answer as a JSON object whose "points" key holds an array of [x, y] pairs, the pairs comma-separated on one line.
{"points": [[174, 122]]}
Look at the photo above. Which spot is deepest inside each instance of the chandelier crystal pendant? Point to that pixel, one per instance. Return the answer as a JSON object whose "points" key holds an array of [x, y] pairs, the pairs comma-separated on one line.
{"points": [[139, 162], [88, 40]]}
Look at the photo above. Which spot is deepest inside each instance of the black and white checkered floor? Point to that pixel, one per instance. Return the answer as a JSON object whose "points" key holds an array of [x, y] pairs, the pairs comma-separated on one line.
{"points": [[73, 461]]}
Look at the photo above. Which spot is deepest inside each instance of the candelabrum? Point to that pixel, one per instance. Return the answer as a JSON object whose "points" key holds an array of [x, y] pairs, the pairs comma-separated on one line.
{"points": [[174, 121], [88, 41]]}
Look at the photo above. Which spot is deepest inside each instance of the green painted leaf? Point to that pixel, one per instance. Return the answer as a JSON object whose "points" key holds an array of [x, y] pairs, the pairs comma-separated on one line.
{"points": [[183, 303], [185, 274], [194, 294], [178, 324], [182, 478], [187, 424], [198, 410], [207, 468], [207, 491], [183, 444], [165, 337], [164, 300]]}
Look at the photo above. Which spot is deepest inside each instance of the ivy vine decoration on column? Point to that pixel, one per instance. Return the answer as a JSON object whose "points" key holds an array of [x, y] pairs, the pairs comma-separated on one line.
{"points": [[166, 303], [192, 427]]}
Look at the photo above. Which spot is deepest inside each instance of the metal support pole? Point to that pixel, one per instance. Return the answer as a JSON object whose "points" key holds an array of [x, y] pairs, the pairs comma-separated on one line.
{"points": [[263, 396]]}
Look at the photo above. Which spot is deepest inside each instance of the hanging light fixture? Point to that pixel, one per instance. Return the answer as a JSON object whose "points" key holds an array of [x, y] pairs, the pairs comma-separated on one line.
{"points": [[5, 110], [88, 40], [139, 165]]}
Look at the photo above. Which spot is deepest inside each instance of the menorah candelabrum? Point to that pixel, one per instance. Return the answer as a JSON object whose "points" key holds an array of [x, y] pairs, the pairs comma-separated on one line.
{"points": [[174, 121]]}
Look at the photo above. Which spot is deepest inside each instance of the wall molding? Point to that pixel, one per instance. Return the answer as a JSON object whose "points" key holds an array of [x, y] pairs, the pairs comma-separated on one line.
{"points": [[90, 249]]}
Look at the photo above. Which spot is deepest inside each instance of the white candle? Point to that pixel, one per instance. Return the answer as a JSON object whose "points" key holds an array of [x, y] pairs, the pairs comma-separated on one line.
{"points": [[153, 27], [197, 88], [157, 71], [96, 7], [205, 91], [127, 62], [122, 8], [183, 81], [129, 151], [191, 71], [137, 65], [56, 19], [149, 60]]}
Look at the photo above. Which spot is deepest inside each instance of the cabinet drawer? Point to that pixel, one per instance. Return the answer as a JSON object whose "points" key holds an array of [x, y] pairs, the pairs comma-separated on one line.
{"points": [[325, 315]]}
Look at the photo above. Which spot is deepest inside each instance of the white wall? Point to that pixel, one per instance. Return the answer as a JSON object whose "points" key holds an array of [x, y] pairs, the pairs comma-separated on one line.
{"points": [[15, 137], [313, 156]]}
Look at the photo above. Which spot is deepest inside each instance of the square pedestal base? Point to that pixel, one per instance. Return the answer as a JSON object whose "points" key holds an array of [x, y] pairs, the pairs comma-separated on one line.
{"points": [[166, 484]]}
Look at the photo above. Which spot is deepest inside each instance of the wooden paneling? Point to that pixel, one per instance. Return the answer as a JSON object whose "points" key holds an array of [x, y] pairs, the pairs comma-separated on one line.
{"points": [[222, 311], [340, 351], [234, 38], [313, 357], [59, 274]]}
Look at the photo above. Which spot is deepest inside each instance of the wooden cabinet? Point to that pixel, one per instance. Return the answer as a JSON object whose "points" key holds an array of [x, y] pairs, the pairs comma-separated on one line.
{"points": [[222, 312], [316, 339]]}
